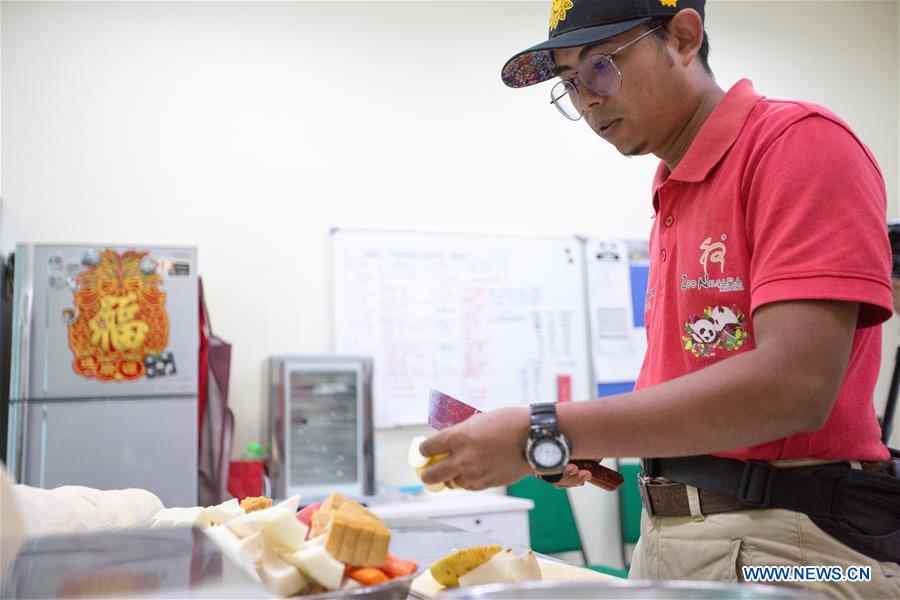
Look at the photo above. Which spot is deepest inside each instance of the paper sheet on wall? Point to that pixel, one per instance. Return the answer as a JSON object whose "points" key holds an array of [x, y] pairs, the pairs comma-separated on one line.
{"points": [[617, 342], [492, 320]]}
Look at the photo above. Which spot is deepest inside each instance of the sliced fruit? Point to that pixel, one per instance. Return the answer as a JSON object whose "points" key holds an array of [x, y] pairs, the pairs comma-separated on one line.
{"points": [[431, 487], [495, 570], [306, 513], [253, 522], [291, 504], [194, 516], [448, 570], [280, 577], [286, 531], [222, 513], [351, 584], [420, 462], [525, 568], [228, 543], [318, 565], [250, 551], [415, 458], [438, 458], [167, 517]]}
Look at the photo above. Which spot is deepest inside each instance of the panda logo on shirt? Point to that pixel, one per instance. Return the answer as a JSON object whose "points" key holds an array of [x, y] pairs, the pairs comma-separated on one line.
{"points": [[720, 327]]}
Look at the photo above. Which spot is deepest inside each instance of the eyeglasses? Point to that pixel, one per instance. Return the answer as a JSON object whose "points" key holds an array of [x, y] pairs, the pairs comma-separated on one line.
{"points": [[597, 73]]}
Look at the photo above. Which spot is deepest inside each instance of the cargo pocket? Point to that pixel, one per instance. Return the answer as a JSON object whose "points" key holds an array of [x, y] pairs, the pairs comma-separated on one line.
{"points": [[741, 556]]}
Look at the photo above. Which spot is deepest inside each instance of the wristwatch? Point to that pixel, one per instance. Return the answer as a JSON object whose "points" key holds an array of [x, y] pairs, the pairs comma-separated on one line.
{"points": [[547, 449]]}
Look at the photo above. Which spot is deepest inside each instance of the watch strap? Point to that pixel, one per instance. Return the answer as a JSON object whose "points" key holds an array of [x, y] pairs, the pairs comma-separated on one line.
{"points": [[544, 415]]}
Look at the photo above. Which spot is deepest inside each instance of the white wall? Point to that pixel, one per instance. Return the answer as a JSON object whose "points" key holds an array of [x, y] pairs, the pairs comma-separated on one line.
{"points": [[251, 129]]}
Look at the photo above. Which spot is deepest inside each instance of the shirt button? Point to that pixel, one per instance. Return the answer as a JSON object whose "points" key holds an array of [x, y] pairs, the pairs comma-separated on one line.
{"points": [[663, 255], [669, 220]]}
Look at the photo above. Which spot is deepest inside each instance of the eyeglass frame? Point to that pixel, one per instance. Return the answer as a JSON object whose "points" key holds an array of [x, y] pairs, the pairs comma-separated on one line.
{"points": [[571, 87]]}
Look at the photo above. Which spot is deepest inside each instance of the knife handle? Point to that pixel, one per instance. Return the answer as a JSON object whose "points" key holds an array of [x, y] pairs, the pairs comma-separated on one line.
{"points": [[601, 476]]}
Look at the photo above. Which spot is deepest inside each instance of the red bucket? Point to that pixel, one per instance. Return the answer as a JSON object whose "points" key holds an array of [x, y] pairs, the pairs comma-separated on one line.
{"points": [[246, 478]]}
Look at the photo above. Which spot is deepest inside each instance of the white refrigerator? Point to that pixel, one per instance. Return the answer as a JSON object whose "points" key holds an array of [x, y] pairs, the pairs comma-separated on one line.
{"points": [[103, 383]]}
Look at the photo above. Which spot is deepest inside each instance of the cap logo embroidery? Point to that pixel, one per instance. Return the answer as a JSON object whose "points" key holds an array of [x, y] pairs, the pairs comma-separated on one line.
{"points": [[558, 11], [671, 3]]}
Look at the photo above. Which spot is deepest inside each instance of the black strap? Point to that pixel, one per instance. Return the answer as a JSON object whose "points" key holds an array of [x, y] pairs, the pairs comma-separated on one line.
{"points": [[755, 483], [543, 415]]}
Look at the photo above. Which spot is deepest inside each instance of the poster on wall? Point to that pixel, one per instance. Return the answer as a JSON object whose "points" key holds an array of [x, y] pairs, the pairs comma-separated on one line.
{"points": [[617, 272], [119, 327]]}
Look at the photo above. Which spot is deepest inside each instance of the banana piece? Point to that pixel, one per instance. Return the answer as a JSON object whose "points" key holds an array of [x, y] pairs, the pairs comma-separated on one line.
{"points": [[419, 462], [415, 458]]}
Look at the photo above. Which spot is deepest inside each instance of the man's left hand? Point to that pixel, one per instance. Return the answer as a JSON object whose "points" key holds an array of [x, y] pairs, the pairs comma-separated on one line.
{"points": [[486, 450]]}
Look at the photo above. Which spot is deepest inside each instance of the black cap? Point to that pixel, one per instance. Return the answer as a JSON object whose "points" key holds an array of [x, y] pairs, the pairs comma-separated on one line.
{"points": [[582, 22]]}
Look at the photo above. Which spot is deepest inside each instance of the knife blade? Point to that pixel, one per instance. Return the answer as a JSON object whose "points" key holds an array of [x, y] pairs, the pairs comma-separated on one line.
{"points": [[445, 411]]}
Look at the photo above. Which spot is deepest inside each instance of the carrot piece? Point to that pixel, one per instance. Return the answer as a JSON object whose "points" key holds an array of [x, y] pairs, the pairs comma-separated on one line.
{"points": [[399, 567], [369, 575]]}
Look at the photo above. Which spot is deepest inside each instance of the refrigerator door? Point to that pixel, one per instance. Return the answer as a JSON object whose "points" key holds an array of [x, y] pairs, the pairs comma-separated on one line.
{"points": [[147, 443], [113, 321], [320, 425]]}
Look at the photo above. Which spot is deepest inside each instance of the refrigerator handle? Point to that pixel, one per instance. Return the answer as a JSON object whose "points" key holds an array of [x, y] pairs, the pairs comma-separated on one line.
{"points": [[20, 385]]}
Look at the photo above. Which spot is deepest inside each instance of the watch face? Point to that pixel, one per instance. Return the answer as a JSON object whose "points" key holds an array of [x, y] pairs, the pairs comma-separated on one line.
{"points": [[547, 454]]}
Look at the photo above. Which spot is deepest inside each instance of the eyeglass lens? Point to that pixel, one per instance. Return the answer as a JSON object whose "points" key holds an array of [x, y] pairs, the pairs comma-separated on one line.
{"points": [[600, 75], [565, 98]]}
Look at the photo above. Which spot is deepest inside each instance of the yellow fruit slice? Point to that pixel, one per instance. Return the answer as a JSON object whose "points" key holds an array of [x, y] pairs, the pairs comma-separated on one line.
{"points": [[415, 458], [450, 568], [437, 458], [419, 462], [431, 487]]}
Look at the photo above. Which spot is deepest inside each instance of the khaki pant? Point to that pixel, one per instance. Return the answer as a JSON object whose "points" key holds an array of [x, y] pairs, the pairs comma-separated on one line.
{"points": [[715, 547]]}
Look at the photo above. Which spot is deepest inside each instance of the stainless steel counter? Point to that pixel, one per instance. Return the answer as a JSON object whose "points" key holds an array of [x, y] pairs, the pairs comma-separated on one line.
{"points": [[178, 562], [185, 563]]}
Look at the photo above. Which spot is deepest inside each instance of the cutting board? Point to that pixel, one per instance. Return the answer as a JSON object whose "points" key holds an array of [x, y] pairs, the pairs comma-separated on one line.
{"points": [[424, 586]]}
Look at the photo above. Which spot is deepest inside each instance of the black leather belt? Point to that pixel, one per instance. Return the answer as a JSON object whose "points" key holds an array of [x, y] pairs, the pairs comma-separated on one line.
{"points": [[727, 485]]}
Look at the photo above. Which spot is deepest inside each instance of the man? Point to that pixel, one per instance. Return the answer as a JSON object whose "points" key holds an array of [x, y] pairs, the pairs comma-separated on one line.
{"points": [[769, 278]]}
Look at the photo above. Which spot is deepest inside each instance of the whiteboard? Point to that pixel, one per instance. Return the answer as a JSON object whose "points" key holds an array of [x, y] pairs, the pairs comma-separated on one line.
{"points": [[492, 320]]}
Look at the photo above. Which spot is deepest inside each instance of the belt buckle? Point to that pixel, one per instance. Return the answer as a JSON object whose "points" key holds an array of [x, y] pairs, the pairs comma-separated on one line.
{"points": [[643, 481]]}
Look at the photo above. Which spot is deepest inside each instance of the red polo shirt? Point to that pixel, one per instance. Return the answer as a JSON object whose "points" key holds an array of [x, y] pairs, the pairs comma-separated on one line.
{"points": [[773, 201]]}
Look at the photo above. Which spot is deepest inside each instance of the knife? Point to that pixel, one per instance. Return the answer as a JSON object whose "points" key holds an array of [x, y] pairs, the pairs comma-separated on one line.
{"points": [[445, 411]]}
